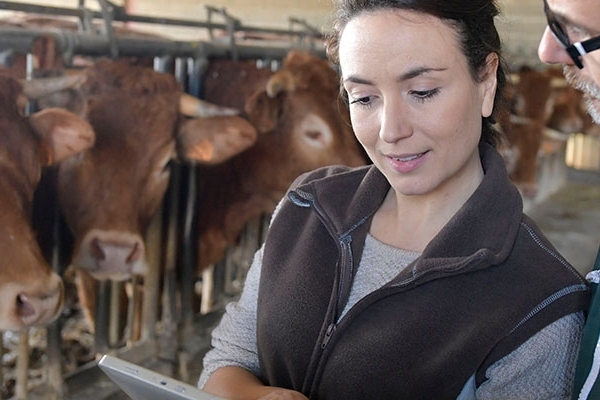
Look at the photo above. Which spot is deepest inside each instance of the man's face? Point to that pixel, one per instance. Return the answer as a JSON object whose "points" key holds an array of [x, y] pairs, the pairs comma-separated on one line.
{"points": [[579, 21]]}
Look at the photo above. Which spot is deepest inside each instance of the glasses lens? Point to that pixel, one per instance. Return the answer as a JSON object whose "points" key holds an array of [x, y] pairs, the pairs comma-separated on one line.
{"points": [[559, 32], [555, 27]]}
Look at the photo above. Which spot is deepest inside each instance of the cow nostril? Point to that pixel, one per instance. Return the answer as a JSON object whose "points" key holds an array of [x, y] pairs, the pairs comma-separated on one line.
{"points": [[135, 253], [96, 250], [24, 306]]}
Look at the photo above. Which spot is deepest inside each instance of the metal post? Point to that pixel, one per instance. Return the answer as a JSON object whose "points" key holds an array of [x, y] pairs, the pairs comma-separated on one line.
{"points": [[101, 321], [1, 358], [22, 365]]}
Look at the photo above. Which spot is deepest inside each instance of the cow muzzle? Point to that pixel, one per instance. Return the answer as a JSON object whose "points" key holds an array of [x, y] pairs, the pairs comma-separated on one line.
{"points": [[23, 305], [111, 255]]}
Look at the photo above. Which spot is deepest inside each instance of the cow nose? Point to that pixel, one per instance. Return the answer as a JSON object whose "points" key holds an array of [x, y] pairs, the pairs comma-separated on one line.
{"points": [[37, 307], [111, 254], [127, 251], [25, 308], [96, 250]]}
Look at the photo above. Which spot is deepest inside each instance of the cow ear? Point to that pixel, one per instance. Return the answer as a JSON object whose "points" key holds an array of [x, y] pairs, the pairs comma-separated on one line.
{"points": [[214, 140], [281, 81], [263, 111], [63, 132]]}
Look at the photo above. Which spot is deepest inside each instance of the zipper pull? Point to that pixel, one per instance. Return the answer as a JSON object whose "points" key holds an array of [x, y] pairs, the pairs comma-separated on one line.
{"points": [[328, 334]]}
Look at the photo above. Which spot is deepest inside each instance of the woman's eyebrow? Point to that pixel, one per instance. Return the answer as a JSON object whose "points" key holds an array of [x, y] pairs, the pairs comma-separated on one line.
{"points": [[413, 73], [356, 79]]}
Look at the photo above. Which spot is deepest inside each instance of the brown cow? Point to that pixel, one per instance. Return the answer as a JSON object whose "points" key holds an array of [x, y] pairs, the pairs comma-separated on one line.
{"points": [[532, 101], [30, 292], [303, 124], [109, 193], [545, 110]]}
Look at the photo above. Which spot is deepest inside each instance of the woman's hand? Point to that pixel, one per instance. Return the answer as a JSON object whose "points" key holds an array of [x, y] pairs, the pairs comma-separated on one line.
{"points": [[282, 394], [234, 383]]}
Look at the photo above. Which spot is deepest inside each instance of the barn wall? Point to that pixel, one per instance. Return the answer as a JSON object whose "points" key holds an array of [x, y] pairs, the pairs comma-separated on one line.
{"points": [[521, 27], [521, 24], [269, 13]]}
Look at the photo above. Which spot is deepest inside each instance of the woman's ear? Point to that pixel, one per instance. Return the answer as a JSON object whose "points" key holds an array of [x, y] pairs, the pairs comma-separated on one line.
{"points": [[489, 84]]}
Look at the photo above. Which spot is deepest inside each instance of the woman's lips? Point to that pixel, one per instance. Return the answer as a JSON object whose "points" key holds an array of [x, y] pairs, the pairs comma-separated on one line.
{"points": [[406, 163]]}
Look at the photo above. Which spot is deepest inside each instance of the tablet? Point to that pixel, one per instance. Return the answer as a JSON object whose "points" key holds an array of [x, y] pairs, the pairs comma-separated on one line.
{"points": [[144, 384]]}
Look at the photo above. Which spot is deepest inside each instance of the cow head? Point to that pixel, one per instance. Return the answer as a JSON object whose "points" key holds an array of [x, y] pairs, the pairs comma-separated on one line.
{"points": [[109, 193], [301, 105], [30, 292]]}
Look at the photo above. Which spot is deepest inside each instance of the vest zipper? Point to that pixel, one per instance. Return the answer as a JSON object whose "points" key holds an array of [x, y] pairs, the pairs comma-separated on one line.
{"points": [[343, 289], [330, 330]]}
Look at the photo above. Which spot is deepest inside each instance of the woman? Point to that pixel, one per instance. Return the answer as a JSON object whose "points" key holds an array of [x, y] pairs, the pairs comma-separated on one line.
{"points": [[418, 277]]}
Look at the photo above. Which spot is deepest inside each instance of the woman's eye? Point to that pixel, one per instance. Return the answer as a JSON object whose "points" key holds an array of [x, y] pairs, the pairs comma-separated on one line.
{"points": [[422, 95], [362, 101]]}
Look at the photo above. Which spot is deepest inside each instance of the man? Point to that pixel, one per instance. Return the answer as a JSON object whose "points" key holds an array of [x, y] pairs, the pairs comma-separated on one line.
{"points": [[572, 38]]}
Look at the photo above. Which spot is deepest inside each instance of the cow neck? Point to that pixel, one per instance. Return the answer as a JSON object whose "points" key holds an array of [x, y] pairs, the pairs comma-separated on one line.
{"points": [[13, 181]]}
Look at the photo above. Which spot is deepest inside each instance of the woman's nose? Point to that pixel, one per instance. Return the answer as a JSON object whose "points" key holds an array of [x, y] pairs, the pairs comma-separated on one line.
{"points": [[394, 123], [552, 52]]}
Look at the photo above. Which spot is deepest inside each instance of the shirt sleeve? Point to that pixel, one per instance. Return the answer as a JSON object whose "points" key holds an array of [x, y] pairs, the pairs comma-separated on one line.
{"points": [[234, 339], [541, 368]]}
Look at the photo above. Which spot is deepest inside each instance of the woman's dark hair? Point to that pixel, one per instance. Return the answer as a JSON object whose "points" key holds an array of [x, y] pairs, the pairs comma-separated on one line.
{"points": [[473, 21]]}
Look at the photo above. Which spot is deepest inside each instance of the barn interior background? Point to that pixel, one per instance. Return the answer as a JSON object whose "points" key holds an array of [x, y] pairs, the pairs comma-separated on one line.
{"points": [[521, 24], [571, 218]]}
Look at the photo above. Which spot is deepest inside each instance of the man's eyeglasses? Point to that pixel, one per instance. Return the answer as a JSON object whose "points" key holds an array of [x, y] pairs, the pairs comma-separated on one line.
{"points": [[575, 50]]}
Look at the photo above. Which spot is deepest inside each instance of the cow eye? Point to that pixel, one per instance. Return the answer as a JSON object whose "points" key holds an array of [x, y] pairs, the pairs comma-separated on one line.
{"points": [[167, 166]]}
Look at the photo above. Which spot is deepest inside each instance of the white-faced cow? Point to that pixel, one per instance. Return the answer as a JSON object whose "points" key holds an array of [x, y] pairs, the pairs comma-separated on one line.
{"points": [[303, 124], [30, 292]]}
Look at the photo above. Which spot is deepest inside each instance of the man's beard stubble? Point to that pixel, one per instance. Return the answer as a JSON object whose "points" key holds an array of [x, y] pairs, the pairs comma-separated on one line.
{"points": [[591, 92]]}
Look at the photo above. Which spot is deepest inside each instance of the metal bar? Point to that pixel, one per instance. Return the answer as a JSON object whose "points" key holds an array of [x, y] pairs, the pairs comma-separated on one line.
{"points": [[133, 331], [102, 317], [53, 331], [22, 365], [187, 254], [119, 14], [154, 246], [69, 43], [114, 315], [2, 350], [54, 353], [151, 279], [107, 16]]}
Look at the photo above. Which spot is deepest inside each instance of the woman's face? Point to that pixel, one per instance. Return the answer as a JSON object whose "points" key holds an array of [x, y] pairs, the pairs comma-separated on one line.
{"points": [[413, 102]]}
